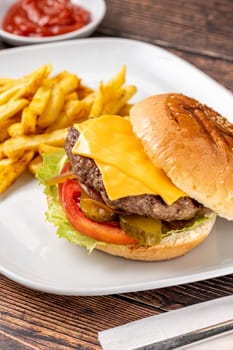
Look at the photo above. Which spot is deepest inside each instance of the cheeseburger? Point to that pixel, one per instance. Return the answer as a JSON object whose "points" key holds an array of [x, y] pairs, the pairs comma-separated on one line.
{"points": [[144, 187]]}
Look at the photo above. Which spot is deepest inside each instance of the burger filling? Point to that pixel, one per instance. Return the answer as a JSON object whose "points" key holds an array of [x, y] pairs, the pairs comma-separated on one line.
{"points": [[139, 215]]}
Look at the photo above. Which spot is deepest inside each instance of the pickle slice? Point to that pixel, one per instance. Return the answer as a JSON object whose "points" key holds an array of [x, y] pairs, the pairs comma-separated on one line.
{"points": [[96, 210], [147, 230]]}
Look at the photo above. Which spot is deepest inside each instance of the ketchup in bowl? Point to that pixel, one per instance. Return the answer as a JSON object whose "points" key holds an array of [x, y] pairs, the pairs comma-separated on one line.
{"points": [[43, 18]]}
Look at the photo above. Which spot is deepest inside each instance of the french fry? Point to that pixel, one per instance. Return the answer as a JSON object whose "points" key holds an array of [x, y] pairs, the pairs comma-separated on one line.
{"points": [[36, 110], [72, 96], [79, 111], [41, 97], [98, 103], [126, 95], [10, 109], [71, 109], [11, 92], [74, 111], [68, 82], [112, 96], [25, 86], [6, 81], [15, 130], [84, 91], [28, 121], [34, 80], [38, 75], [124, 111], [118, 80], [15, 146], [11, 169], [4, 134], [35, 164], [2, 155], [45, 149], [53, 107], [64, 84]]}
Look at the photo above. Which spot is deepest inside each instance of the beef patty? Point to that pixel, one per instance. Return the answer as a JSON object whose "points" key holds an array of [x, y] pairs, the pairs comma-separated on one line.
{"points": [[90, 179]]}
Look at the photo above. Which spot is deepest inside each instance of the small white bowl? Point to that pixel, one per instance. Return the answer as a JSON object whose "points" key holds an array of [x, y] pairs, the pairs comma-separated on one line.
{"points": [[97, 9]]}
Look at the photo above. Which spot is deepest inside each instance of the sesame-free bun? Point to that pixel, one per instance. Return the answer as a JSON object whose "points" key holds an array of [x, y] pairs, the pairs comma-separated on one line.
{"points": [[173, 246], [192, 143]]}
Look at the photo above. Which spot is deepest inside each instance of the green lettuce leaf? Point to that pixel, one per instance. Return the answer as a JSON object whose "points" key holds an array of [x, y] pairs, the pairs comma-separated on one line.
{"points": [[52, 165]]}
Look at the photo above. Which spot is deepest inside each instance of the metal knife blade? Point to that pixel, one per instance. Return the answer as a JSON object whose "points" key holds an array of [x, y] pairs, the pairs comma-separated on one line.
{"points": [[190, 337]]}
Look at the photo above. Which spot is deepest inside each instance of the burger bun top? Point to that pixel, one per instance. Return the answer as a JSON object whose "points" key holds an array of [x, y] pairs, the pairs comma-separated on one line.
{"points": [[192, 143]]}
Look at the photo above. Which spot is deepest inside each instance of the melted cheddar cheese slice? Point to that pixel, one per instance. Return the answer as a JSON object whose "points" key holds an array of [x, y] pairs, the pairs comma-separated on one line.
{"points": [[125, 167]]}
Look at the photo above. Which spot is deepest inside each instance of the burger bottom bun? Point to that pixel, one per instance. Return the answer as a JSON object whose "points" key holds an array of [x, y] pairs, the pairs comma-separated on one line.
{"points": [[171, 247]]}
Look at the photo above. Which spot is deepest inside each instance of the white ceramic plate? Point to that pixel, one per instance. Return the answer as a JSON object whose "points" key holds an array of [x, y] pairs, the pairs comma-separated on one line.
{"points": [[97, 9], [30, 251]]}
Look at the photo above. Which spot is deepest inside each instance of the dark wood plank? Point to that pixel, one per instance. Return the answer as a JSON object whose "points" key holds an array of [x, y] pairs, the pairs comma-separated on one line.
{"points": [[218, 69], [61, 322], [197, 26], [167, 299], [8, 342], [199, 32], [38, 320]]}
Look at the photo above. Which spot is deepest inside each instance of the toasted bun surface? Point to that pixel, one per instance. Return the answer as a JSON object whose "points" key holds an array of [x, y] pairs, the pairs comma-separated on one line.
{"points": [[170, 247], [192, 143]]}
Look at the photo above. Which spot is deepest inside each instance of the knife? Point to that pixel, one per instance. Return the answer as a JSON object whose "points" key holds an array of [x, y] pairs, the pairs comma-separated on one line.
{"points": [[190, 337], [175, 329]]}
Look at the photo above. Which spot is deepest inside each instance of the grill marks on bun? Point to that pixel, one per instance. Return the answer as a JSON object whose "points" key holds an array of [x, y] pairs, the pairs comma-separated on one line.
{"points": [[192, 143], [216, 128]]}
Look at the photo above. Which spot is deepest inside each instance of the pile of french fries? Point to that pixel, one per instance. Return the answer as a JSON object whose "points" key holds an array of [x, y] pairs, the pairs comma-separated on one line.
{"points": [[37, 109]]}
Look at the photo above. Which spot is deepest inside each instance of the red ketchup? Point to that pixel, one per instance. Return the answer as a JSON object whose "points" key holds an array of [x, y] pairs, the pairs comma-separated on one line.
{"points": [[45, 18]]}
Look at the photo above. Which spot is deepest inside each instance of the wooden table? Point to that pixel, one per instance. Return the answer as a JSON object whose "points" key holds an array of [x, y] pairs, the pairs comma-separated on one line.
{"points": [[202, 33]]}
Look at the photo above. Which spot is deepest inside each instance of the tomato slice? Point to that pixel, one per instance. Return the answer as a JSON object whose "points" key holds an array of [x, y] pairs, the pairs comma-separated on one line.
{"points": [[69, 193]]}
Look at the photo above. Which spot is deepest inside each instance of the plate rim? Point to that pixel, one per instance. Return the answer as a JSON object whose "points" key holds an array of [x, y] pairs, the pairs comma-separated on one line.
{"points": [[132, 287], [129, 288]]}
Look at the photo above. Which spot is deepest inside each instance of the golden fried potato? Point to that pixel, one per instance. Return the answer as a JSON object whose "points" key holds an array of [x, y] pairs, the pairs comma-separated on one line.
{"points": [[28, 121], [10, 109], [125, 110], [4, 134], [118, 80], [15, 130], [36, 110], [126, 94], [16, 145], [2, 155], [11, 169], [63, 85], [26, 86], [72, 96], [6, 82], [84, 91], [73, 111], [53, 107], [68, 82], [44, 148], [112, 96], [35, 164], [13, 92]]}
